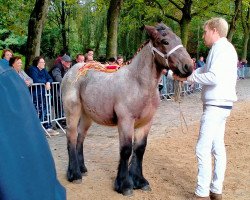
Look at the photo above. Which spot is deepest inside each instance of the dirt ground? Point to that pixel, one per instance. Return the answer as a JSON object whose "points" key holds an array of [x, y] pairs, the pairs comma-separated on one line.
{"points": [[169, 163]]}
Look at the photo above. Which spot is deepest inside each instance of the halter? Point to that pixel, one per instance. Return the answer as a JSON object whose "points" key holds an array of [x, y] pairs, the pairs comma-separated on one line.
{"points": [[165, 56]]}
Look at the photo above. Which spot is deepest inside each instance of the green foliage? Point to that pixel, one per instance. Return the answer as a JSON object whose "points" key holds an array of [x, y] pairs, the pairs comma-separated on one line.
{"points": [[86, 24]]}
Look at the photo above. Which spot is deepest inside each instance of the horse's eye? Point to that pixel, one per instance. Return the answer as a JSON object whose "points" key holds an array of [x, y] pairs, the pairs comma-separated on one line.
{"points": [[164, 41]]}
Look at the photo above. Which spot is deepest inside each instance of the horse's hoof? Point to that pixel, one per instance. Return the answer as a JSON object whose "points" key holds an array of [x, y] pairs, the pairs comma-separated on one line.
{"points": [[146, 188], [128, 192], [78, 181]]}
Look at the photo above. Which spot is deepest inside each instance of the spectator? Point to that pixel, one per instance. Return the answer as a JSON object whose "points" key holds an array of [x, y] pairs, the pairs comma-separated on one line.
{"points": [[79, 59], [57, 73], [194, 62], [162, 84], [89, 56], [60, 69], [40, 75], [243, 65], [218, 95], [27, 168], [200, 62], [59, 58], [16, 63], [112, 64], [119, 61], [6, 55]]}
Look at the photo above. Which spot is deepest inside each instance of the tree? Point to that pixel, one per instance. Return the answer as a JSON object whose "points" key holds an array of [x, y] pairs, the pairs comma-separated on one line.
{"points": [[236, 16], [112, 27], [35, 28], [246, 28]]}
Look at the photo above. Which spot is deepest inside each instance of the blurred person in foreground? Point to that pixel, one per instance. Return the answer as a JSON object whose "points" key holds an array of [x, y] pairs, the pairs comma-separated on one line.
{"points": [[27, 168], [218, 79]]}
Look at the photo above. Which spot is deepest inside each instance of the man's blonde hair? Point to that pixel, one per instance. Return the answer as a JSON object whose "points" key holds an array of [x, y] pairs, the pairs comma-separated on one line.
{"points": [[220, 24]]}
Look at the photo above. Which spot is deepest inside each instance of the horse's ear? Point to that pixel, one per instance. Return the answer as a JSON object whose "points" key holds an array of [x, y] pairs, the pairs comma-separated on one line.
{"points": [[152, 32]]}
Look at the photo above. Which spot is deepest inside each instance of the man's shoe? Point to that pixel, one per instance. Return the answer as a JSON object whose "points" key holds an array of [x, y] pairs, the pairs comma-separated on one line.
{"points": [[201, 198], [214, 196], [195, 197]]}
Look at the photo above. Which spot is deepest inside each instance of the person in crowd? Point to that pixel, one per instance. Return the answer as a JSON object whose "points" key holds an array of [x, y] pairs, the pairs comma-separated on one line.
{"points": [[57, 73], [241, 68], [59, 70], [59, 58], [89, 56], [112, 64], [40, 75], [16, 63], [80, 58], [6, 55], [119, 61], [200, 62], [162, 84], [194, 62], [218, 95], [27, 168]]}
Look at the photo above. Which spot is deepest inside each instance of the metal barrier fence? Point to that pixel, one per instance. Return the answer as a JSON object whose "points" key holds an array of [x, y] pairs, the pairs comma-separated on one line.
{"points": [[49, 107], [167, 91], [48, 104]]}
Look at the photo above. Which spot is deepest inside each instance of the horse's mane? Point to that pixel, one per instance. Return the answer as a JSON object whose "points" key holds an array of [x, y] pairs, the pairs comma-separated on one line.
{"points": [[162, 28], [138, 50]]}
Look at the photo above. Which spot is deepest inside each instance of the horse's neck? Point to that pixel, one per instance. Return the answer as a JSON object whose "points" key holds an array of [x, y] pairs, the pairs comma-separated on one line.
{"points": [[144, 67]]}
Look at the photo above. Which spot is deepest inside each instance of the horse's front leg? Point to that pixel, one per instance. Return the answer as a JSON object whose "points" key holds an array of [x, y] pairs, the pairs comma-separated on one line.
{"points": [[84, 124], [123, 182], [135, 168]]}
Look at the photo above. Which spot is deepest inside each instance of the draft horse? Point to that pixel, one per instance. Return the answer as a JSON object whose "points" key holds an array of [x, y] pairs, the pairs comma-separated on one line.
{"points": [[127, 98]]}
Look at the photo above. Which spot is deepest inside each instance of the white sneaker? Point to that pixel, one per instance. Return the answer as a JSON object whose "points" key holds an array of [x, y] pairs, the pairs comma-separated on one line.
{"points": [[52, 132]]}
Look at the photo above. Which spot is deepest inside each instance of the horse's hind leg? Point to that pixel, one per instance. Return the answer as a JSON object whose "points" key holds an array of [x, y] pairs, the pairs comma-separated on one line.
{"points": [[123, 183], [84, 124], [135, 168], [73, 113]]}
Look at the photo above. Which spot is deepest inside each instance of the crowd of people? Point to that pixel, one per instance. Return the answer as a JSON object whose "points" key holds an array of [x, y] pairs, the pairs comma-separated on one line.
{"points": [[37, 73]]}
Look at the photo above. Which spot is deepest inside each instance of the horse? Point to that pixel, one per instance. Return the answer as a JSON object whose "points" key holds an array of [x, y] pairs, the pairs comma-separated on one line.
{"points": [[127, 98]]}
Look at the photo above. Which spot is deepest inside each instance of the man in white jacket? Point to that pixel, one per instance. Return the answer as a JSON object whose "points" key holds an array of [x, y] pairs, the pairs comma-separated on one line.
{"points": [[218, 79]]}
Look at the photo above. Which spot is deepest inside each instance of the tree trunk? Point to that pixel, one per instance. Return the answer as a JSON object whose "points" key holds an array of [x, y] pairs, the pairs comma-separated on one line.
{"points": [[185, 21], [246, 28], [184, 24], [35, 28], [236, 16], [63, 27], [112, 27]]}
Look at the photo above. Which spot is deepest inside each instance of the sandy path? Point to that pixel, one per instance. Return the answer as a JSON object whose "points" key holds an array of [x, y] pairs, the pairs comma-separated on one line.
{"points": [[169, 163]]}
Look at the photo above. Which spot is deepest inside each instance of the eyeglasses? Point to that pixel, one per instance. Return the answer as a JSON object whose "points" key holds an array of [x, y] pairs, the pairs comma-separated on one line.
{"points": [[41, 62]]}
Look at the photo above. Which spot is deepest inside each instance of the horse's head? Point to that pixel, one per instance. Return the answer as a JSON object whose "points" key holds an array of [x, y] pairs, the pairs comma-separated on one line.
{"points": [[169, 50]]}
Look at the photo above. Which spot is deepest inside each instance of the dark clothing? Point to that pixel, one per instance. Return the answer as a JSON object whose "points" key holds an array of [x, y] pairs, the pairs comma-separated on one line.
{"points": [[39, 76], [58, 72], [27, 169], [200, 64], [38, 92]]}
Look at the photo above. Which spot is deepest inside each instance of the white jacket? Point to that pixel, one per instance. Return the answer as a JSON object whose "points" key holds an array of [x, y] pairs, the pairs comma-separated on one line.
{"points": [[218, 77]]}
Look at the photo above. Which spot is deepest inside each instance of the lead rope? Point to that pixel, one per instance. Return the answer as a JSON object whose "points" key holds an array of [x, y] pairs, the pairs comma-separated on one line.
{"points": [[177, 98]]}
